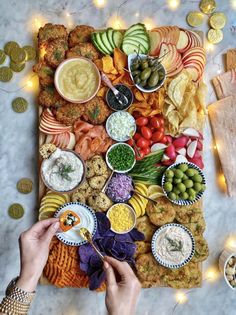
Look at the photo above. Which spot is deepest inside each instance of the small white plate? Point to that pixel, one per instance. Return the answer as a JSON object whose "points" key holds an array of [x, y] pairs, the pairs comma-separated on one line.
{"points": [[109, 164], [87, 219]]}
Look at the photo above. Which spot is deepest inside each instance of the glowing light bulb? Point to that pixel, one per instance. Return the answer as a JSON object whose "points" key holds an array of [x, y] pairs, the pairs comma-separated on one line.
{"points": [[230, 242], [209, 47], [29, 83], [116, 22], [35, 23], [181, 297], [136, 14], [99, 3], [173, 4], [67, 14], [149, 23], [233, 4], [212, 274]]}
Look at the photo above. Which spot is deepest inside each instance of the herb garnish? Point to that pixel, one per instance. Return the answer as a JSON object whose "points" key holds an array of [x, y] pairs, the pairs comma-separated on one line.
{"points": [[95, 112], [176, 246], [64, 171]]}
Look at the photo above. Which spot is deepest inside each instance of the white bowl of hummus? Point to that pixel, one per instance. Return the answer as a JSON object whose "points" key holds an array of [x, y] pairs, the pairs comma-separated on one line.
{"points": [[77, 80], [173, 245], [63, 171]]}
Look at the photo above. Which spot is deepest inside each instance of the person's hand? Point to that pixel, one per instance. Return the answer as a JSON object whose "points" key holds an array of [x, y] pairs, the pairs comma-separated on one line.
{"points": [[34, 249], [123, 287]]}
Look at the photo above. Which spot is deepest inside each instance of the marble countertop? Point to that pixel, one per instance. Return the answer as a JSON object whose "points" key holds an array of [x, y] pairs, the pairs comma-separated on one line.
{"points": [[18, 158]]}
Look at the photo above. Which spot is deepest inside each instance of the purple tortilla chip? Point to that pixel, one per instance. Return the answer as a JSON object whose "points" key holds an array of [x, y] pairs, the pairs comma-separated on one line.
{"points": [[85, 251], [123, 237], [103, 223], [84, 267], [136, 235], [95, 261], [96, 279]]}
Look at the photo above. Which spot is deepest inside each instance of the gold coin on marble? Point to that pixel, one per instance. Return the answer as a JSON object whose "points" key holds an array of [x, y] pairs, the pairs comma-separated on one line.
{"points": [[5, 74], [16, 211], [30, 52], [19, 105], [195, 18], [218, 20], [2, 56], [207, 6], [9, 46], [25, 185], [17, 67], [215, 36], [18, 55]]}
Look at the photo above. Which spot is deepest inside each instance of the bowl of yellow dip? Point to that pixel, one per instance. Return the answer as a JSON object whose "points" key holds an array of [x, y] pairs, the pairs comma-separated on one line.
{"points": [[77, 80], [122, 218]]}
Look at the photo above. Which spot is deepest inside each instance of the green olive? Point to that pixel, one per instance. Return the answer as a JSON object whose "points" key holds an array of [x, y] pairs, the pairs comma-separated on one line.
{"points": [[176, 190], [183, 167], [137, 79], [191, 192], [172, 196], [168, 187], [153, 80], [178, 173], [151, 62], [183, 195], [188, 183], [144, 64], [190, 172], [134, 66], [169, 173], [135, 72], [143, 83], [181, 187], [197, 187], [145, 74], [197, 178], [161, 75], [177, 180]]}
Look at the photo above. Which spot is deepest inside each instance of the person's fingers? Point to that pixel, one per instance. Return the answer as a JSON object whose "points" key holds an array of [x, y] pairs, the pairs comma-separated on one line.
{"points": [[110, 275], [53, 228], [122, 268], [40, 226]]}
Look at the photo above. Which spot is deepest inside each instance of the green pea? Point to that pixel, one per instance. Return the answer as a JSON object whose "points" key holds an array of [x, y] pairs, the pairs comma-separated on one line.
{"points": [[183, 167], [183, 196], [197, 178], [168, 187], [181, 187], [178, 173], [172, 196], [188, 183], [169, 173]]}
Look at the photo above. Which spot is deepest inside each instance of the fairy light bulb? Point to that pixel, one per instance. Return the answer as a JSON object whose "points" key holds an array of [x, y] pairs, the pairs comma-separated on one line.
{"points": [[233, 4], [116, 22], [181, 297], [212, 274], [149, 23], [173, 4], [209, 47], [99, 3], [137, 14], [230, 242], [29, 83]]}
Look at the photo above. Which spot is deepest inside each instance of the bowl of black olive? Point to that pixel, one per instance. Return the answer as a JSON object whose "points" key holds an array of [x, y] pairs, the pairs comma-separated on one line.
{"points": [[147, 73]]}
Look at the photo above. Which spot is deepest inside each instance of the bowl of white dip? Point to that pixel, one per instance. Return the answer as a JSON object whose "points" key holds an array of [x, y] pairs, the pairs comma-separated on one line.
{"points": [[64, 171], [173, 245]]}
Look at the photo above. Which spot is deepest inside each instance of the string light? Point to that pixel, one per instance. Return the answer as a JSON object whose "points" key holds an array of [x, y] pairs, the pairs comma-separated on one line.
{"points": [[99, 3], [136, 14], [173, 4], [230, 242], [115, 21], [212, 274], [209, 47], [181, 297], [149, 23], [233, 4], [36, 22], [30, 83]]}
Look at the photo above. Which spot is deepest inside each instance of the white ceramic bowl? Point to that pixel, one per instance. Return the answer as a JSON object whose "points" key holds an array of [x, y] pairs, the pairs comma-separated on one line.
{"points": [[57, 73], [108, 163], [223, 261], [150, 90], [159, 259], [120, 127], [131, 211]]}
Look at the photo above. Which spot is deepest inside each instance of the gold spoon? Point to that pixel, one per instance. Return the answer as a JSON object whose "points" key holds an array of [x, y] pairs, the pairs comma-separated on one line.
{"points": [[146, 197], [87, 236]]}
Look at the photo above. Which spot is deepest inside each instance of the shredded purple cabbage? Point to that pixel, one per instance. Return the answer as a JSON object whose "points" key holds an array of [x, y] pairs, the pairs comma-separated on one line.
{"points": [[120, 188]]}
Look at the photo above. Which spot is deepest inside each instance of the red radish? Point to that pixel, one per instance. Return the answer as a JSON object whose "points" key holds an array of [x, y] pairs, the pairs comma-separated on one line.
{"points": [[180, 142], [192, 148], [201, 135], [188, 143], [197, 154], [199, 145], [181, 151], [169, 139], [157, 146], [180, 159], [170, 152], [167, 163], [191, 132], [197, 161]]}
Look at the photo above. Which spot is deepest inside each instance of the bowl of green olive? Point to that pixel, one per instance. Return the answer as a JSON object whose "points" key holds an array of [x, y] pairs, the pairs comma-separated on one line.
{"points": [[183, 183], [147, 73]]}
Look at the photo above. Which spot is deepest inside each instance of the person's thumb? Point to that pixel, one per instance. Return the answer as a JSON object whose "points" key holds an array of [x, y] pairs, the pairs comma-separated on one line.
{"points": [[51, 231]]}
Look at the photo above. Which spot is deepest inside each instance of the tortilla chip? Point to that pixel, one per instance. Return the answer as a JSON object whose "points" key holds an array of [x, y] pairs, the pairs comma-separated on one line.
{"points": [[99, 64], [118, 79], [108, 66], [173, 119], [120, 60], [201, 96], [139, 95], [102, 92], [191, 120], [177, 87]]}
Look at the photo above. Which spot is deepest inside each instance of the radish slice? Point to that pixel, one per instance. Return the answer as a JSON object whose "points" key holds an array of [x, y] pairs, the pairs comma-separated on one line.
{"points": [[199, 145], [191, 132], [170, 152], [158, 146], [192, 148], [165, 158], [198, 162], [180, 159], [180, 142], [169, 139], [197, 154], [181, 151]]}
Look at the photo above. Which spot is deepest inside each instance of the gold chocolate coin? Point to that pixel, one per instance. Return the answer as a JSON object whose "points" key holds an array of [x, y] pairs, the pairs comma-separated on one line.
{"points": [[5, 74], [19, 105], [25, 185], [218, 20], [215, 36], [17, 67], [207, 6], [30, 52], [9, 46], [18, 55], [2, 56], [195, 18], [16, 211]]}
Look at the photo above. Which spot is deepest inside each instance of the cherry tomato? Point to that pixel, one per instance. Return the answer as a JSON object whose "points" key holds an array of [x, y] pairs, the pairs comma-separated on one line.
{"points": [[154, 122], [161, 129], [169, 139], [161, 120], [130, 142], [152, 129], [136, 115], [142, 143], [146, 150], [157, 136], [146, 132], [136, 136], [140, 156], [163, 140], [141, 121]]}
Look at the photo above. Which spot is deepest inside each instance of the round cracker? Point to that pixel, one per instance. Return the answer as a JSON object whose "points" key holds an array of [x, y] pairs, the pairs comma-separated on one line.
{"points": [[207, 6], [5, 74], [25, 185], [215, 36], [16, 211], [218, 20], [19, 104]]}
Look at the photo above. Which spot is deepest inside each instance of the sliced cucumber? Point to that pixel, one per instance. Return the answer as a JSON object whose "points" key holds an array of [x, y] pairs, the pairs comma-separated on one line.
{"points": [[110, 33], [138, 26], [129, 48], [132, 41], [137, 32], [117, 38], [96, 38], [106, 42], [143, 39]]}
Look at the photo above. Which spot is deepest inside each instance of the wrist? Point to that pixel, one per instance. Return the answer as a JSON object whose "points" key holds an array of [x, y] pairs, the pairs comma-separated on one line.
{"points": [[27, 283]]}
